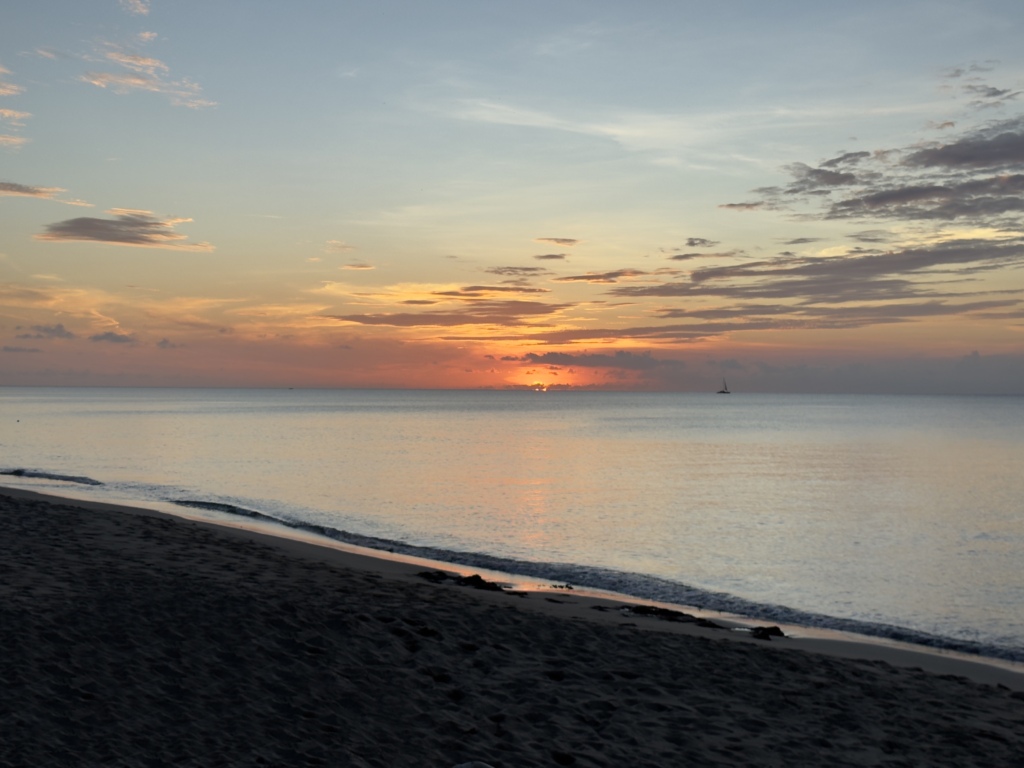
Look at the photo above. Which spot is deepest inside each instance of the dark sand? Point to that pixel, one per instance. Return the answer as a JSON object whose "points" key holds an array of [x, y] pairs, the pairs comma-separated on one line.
{"points": [[135, 639]]}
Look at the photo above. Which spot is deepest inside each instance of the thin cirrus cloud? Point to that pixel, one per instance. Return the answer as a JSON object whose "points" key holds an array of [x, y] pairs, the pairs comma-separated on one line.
{"points": [[8, 88], [338, 246], [137, 7], [568, 242], [11, 189], [612, 276], [487, 312], [619, 359], [141, 229], [144, 73], [14, 117], [476, 291]]}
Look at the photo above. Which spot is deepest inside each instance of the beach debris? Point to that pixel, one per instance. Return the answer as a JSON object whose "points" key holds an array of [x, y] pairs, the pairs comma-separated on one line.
{"points": [[766, 633], [560, 586], [653, 611], [435, 577], [50, 476], [476, 581]]}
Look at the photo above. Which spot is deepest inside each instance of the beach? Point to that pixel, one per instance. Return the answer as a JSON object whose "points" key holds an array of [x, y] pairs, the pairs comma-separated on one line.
{"points": [[131, 637]]}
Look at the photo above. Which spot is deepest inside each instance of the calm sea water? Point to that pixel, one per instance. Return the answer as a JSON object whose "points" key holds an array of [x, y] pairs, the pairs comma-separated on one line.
{"points": [[895, 516]]}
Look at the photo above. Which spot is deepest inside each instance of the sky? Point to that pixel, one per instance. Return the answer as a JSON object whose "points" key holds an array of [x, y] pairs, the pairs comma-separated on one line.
{"points": [[792, 196]]}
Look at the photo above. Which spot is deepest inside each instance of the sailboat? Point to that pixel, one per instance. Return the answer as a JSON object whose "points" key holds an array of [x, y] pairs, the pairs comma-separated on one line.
{"points": [[725, 389]]}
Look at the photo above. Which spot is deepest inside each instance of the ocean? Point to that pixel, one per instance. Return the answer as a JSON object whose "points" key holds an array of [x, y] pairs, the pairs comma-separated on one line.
{"points": [[899, 517]]}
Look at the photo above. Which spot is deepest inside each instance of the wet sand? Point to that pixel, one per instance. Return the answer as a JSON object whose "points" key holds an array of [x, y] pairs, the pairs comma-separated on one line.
{"points": [[130, 637]]}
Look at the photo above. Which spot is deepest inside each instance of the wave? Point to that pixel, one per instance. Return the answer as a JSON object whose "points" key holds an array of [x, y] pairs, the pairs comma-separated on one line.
{"points": [[636, 585], [50, 476]]}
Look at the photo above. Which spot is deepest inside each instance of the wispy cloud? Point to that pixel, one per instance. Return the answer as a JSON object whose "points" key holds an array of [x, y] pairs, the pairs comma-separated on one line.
{"points": [[57, 331], [137, 7], [11, 189], [8, 88], [357, 266], [618, 359], [486, 312], [669, 137], [519, 272], [14, 117], [567, 242], [112, 337], [612, 276], [895, 275], [976, 177], [338, 246], [144, 73], [128, 227]]}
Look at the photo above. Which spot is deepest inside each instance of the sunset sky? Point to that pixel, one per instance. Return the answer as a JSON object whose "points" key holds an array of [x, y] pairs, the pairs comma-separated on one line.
{"points": [[796, 196]]}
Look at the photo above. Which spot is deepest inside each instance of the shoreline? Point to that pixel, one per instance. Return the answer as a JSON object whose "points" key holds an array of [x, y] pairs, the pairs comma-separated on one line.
{"points": [[584, 601], [133, 637]]}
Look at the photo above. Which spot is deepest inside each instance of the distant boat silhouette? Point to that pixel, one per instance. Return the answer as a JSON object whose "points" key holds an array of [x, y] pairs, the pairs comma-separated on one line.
{"points": [[725, 389]]}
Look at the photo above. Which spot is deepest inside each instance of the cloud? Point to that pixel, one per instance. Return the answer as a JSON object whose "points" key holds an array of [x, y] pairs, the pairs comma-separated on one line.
{"points": [[11, 189], [6, 88], [871, 236], [602, 277], [518, 271], [113, 338], [475, 291], [802, 240], [699, 255], [128, 227], [14, 117], [6, 140], [976, 177], [894, 275], [550, 256], [22, 349], [997, 146], [337, 246], [167, 344], [57, 331], [700, 242], [145, 74], [357, 266], [742, 206], [137, 7], [568, 242], [620, 359], [500, 313], [988, 96], [847, 158]]}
